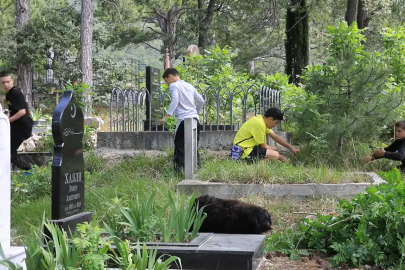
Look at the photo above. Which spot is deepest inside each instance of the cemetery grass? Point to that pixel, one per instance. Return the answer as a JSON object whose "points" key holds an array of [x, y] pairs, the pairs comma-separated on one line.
{"points": [[110, 182], [106, 183], [220, 168]]}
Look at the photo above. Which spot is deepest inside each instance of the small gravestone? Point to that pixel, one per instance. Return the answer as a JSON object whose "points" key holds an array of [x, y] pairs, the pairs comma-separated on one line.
{"points": [[153, 107], [190, 147], [13, 254], [192, 50], [68, 165]]}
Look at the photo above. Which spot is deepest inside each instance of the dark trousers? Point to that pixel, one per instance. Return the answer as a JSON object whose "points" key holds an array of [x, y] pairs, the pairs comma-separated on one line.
{"points": [[179, 151], [19, 133]]}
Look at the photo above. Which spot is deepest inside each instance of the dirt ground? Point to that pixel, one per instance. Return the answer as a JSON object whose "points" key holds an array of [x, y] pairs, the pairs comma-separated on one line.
{"points": [[315, 261]]}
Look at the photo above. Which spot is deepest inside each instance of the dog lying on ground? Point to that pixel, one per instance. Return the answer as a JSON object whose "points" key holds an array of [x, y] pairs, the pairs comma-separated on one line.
{"points": [[232, 216]]}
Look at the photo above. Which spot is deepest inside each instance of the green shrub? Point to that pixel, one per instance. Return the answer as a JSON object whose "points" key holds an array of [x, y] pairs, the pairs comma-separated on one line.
{"points": [[367, 230], [26, 188], [172, 223]]}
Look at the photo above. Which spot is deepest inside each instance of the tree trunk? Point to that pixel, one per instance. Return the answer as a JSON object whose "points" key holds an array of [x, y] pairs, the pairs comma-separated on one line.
{"points": [[168, 25], [297, 40], [362, 16], [351, 11], [86, 56], [205, 23], [24, 67]]}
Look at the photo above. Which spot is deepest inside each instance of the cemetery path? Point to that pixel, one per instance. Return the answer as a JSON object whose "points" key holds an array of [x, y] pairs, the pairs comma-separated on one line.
{"points": [[118, 154]]}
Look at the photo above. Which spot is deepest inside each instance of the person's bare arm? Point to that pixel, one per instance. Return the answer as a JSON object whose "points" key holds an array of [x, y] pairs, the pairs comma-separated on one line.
{"points": [[279, 140], [18, 115]]}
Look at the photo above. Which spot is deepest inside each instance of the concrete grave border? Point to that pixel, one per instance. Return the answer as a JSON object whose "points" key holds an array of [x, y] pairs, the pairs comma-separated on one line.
{"points": [[293, 191]]}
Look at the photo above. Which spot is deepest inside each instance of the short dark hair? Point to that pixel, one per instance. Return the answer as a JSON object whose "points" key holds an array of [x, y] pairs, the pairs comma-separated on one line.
{"points": [[170, 71], [274, 113], [6, 74], [400, 124]]}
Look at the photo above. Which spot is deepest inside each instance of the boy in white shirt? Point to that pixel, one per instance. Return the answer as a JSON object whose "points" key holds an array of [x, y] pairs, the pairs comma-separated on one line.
{"points": [[182, 106]]}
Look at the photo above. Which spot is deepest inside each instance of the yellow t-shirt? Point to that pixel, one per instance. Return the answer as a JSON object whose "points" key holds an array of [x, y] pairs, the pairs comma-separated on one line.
{"points": [[255, 127]]}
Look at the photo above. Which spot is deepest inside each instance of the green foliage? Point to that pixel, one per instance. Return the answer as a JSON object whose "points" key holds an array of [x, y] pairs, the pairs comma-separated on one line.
{"points": [[172, 222], [7, 263], [139, 220], [367, 230], [143, 258], [27, 188], [36, 114], [57, 252], [353, 95], [87, 251], [215, 76], [182, 217], [93, 248], [293, 172], [87, 141], [79, 90]]}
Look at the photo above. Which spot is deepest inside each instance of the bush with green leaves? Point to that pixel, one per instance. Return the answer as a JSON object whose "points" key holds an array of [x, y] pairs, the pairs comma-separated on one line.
{"points": [[27, 188], [86, 250], [355, 95], [215, 75], [367, 230], [171, 223], [88, 142]]}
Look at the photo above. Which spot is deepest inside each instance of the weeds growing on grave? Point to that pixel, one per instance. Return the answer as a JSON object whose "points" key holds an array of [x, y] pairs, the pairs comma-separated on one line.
{"points": [[27, 188], [171, 223], [87, 250], [367, 230], [305, 168], [265, 172]]}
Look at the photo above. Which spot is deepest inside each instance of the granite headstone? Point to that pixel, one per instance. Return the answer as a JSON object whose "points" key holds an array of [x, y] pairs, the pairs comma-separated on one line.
{"points": [[68, 164], [153, 107]]}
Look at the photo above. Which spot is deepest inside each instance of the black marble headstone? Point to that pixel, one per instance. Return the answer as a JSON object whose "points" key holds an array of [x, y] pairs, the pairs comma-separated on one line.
{"points": [[68, 164], [153, 80]]}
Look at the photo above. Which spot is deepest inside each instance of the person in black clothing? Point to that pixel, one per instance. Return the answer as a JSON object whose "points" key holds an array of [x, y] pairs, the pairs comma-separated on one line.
{"points": [[396, 151], [20, 119]]}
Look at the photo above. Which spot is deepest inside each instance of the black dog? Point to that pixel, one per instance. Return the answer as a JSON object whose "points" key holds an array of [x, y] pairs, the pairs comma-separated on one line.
{"points": [[232, 216]]}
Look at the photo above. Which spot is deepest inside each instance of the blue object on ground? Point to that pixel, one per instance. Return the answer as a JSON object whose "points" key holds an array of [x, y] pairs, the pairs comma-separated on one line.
{"points": [[27, 173]]}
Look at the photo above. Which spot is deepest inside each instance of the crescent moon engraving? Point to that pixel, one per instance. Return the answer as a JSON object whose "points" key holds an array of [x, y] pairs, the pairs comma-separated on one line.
{"points": [[73, 108]]}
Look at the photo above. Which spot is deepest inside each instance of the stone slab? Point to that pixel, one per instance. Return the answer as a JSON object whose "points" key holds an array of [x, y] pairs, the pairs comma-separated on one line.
{"points": [[294, 191], [16, 255], [218, 251]]}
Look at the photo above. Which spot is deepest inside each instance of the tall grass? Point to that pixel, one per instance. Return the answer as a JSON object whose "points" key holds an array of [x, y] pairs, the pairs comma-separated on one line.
{"points": [[265, 172], [119, 181], [110, 185]]}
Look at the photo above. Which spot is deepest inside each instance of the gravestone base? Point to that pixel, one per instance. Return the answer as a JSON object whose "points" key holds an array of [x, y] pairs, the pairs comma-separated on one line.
{"points": [[69, 224], [211, 251], [16, 255]]}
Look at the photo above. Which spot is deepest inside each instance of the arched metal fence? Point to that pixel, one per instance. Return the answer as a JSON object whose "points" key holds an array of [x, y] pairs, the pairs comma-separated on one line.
{"points": [[128, 109], [224, 108]]}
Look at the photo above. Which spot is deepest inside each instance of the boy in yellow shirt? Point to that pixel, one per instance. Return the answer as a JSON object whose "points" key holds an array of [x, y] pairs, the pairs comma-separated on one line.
{"points": [[251, 137]]}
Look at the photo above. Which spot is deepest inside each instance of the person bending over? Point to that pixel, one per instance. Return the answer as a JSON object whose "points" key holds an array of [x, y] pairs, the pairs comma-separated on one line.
{"points": [[20, 119], [182, 106], [395, 151], [251, 137]]}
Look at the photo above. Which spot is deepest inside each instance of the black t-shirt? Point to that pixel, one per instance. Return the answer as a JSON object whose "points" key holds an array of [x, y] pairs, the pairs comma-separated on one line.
{"points": [[16, 101]]}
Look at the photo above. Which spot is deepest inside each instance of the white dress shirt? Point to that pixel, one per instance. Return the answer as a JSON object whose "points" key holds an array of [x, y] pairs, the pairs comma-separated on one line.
{"points": [[183, 105]]}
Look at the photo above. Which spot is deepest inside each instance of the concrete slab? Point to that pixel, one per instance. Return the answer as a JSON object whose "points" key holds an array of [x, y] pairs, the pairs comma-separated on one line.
{"points": [[216, 251], [294, 191]]}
